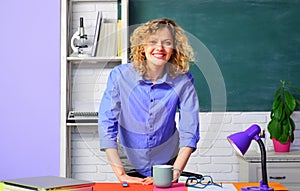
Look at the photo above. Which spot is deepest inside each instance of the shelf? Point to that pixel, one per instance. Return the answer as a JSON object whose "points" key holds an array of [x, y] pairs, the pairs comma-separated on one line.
{"points": [[292, 156], [81, 124], [94, 59]]}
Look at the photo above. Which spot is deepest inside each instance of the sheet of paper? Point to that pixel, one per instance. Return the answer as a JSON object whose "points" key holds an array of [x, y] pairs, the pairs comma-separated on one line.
{"points": [[225, 187]]}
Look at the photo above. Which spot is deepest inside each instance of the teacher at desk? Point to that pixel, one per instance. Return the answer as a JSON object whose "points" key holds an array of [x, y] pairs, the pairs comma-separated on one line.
{"points": [[137, 111]]}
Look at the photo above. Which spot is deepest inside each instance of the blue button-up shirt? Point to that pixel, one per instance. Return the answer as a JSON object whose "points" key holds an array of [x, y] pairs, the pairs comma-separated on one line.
{"points": [[142, 113]]}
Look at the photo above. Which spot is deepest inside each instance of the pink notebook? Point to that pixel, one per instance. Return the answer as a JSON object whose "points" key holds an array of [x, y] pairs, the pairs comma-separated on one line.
{"points": [[175, 187]]}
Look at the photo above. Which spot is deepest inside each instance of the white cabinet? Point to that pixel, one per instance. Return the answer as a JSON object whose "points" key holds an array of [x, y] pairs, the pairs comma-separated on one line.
{"points": [[81, 74], [281, 167]]}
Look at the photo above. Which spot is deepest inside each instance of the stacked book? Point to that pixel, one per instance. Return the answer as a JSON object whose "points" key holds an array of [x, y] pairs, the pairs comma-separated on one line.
{"points": [[106, 37]]}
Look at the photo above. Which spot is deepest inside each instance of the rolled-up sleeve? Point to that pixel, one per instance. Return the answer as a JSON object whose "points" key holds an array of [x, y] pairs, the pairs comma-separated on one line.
{"points": [[108, 114], [189, 116]]}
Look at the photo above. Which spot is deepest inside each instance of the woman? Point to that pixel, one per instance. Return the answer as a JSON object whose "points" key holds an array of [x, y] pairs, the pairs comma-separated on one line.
{"points": [[141, 101]]}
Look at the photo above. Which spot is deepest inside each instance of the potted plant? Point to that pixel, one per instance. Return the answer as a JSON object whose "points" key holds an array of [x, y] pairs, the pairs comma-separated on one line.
{"points": [[281, 126]]}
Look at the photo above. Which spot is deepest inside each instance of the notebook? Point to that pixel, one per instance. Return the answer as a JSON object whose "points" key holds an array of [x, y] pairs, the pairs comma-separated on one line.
{"points": [[44, 183]]}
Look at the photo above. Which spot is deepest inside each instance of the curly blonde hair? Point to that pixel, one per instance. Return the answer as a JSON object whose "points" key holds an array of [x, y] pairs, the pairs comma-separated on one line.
{"points": [[182, 51]]}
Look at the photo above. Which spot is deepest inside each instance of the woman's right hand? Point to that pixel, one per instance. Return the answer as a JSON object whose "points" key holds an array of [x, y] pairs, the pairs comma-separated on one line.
{"points": [[130, 179], [116, 164]]}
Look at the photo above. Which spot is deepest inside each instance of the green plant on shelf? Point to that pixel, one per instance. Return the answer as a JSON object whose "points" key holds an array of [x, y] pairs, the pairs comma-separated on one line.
{"points": [[281, 126]]}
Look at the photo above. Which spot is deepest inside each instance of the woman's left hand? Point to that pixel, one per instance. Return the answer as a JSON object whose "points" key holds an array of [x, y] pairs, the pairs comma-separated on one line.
{"points": [[176, 175], [147, 181]]}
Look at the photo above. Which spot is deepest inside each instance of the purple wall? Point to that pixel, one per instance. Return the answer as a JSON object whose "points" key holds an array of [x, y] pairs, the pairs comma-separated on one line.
{"points": [[29, 82]]}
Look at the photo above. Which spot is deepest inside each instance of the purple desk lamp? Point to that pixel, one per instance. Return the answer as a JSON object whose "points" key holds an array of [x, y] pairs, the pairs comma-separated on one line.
{"points": [[241, 142]]}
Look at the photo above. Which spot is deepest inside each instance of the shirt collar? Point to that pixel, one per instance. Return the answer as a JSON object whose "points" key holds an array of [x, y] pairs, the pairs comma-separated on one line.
{"points": [[165, 79]]}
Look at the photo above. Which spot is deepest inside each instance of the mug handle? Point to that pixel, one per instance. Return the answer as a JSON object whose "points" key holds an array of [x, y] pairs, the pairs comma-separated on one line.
{"points": [[179, 172]]}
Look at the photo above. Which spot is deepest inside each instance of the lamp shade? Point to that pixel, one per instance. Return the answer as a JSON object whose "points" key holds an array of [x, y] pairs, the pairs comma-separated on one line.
{"points": [[242, 140]]}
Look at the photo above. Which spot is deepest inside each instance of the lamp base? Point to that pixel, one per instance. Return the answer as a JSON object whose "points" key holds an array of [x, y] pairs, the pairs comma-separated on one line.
{"points": [[257, 188], [261, 187]]}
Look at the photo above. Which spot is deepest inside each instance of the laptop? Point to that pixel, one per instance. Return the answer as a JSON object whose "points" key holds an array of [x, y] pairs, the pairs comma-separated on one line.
{"points": [[45, 183]]}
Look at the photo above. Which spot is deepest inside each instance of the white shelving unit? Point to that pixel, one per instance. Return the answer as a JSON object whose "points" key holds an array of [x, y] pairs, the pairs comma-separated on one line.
{"points": [[281, 167], [70, 9]]}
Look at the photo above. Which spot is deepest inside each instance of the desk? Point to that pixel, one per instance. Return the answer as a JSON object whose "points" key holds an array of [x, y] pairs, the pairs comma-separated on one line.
{"points": [[138, 187]]}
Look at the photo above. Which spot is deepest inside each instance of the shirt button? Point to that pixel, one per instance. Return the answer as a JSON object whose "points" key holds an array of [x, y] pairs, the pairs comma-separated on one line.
{"points": [[151, 100]]}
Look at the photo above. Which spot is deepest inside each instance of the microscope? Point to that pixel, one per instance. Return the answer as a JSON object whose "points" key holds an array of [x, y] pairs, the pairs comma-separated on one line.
{"points": [[78, 41]]}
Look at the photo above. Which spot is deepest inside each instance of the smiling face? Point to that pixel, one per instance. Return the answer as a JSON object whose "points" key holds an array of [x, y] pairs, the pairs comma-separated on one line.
{"points": [[159, 47]]}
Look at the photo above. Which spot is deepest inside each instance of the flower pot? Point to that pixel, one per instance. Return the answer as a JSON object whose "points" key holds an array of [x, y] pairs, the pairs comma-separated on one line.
{"points": [[279, 147]]}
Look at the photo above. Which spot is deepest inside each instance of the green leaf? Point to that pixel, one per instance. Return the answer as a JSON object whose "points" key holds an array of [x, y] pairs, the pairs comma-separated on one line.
{"points": [[292, 129], [283, 138], [274, 128], [276, 103], [287, 113], [289, 100], [278, 92], [285, 127], [277, 113]]}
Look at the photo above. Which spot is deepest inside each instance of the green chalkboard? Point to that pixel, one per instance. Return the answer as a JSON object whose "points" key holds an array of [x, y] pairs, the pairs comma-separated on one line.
{"points": [[250, 46]]}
